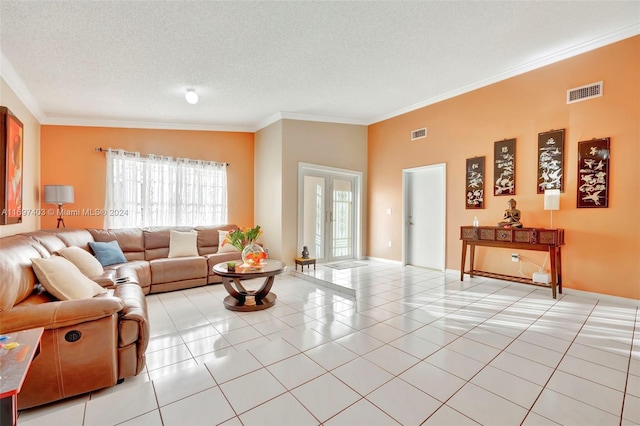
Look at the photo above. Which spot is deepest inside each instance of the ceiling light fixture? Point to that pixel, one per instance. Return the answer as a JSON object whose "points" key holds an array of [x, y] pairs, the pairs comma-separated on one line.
{"points": [[191, 96]]}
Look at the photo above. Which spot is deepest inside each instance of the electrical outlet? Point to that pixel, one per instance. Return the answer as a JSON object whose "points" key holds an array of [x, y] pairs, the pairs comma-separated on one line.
{"points": [[389, 243], [515, 257]]}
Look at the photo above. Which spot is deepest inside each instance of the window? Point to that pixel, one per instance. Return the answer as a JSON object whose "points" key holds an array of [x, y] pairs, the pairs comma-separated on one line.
{"points": [[162, 191]]}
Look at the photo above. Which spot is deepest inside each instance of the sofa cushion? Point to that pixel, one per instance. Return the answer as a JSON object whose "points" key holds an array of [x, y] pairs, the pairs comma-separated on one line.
{"points": [[209, 239], [183, 244], [131, 240], [83, 260], [48, 240], [156, 240], [73, 237], [63, 280], [177, 269], [108, 253], [17, 278], [225, 248]]}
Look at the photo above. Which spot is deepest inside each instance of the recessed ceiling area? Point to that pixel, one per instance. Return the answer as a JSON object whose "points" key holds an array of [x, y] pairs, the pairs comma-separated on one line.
{"points": [[130, 63]]}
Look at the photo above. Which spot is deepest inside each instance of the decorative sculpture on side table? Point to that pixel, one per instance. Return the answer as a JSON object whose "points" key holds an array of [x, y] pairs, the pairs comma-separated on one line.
{"points": [[511, 218]]}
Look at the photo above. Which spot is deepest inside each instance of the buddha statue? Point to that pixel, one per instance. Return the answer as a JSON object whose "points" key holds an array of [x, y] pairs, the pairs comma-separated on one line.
{"points": [[511, 218]]}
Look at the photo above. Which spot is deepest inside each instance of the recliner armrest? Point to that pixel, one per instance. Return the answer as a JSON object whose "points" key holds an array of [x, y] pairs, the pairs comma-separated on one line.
{"points": [[133, 312], [57, 314], [106, 279]]}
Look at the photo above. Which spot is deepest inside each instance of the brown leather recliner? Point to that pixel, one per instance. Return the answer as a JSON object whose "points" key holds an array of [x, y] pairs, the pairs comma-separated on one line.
{"points": [[113, 329]]}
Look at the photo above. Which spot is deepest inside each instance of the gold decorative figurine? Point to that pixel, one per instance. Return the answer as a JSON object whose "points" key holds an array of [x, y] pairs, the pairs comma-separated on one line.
{"points": [[511, 218]]}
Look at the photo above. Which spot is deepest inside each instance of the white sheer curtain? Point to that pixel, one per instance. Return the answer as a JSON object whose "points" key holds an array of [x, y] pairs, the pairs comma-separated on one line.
{"points": [[161, 191]]}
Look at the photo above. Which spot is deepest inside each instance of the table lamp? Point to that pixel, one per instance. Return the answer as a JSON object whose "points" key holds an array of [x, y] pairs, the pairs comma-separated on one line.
{"points": [[58, 194], [551, 201]]}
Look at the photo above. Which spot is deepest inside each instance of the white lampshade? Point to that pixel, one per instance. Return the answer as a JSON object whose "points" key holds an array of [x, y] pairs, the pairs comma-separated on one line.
{"points": [[191, 97], [58, 194], [552, 199]]}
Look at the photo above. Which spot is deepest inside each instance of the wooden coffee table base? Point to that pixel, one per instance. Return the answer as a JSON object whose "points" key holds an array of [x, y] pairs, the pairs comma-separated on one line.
{"points": [[234, 304], [242, 299]]}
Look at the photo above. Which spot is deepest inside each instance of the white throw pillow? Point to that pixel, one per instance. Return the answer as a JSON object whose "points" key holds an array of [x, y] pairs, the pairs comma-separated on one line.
{"points": [[85, 261], [183, 244], [64, 280], [227, 248]]}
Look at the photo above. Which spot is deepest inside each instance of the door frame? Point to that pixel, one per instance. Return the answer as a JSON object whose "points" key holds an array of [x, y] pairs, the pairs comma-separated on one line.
{"points": [[357, 197], [405, 207]]}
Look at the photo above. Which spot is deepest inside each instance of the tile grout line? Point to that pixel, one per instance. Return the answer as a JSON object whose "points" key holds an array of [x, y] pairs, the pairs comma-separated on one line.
{"points": [[626, 383], [461, 303], [558, 364], [192, 357], [423, 360], [500, 352]]}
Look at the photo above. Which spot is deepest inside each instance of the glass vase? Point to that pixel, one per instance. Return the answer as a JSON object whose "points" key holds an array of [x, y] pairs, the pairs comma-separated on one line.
{"points": [[253, 254]]}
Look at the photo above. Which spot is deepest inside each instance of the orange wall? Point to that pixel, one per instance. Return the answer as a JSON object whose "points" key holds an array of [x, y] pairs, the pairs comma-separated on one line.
{"points": [[68, 157], [602, 251]]}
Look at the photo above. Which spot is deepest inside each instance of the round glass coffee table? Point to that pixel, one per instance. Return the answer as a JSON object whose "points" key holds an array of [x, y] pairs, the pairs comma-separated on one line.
{"points": [[242, 299]]}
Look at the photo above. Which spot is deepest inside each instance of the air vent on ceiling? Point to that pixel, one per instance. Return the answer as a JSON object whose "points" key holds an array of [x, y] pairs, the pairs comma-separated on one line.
{"points": [[583, 93], [419, 134]]}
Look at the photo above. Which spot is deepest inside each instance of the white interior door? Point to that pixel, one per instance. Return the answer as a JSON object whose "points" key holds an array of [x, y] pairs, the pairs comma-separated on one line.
{"points": [[328, 215], [425, 213]]}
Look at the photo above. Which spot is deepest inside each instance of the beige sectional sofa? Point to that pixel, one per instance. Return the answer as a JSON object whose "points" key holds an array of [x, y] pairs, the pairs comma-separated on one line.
{"points": [[113, 328], [147, 253]]}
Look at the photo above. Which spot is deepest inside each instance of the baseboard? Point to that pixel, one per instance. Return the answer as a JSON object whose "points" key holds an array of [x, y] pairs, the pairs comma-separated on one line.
{"points": [[602, 297], [382, 260]]}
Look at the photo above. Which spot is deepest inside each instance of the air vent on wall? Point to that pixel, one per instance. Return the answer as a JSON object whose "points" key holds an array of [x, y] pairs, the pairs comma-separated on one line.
{"points": [[583, 93], [419, 134]]}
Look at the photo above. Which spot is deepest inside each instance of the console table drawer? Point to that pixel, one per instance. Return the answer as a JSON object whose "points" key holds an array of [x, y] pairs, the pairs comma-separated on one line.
{"points": [[533, 236]]}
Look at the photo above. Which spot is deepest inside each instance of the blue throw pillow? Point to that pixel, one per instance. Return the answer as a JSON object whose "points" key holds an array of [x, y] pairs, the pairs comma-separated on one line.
{"points": [[108, 253]]}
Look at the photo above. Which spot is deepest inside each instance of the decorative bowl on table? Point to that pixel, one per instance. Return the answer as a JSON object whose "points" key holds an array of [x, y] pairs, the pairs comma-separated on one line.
{"points": [[253, 255]]}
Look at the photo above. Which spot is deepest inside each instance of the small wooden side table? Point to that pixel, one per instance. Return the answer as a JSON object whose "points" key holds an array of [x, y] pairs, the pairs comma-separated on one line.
{"points": [[14, 365], [308, 261]]}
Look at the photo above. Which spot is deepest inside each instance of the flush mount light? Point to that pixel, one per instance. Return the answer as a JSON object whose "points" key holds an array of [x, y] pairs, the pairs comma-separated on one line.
{"points": [[191, 96]]}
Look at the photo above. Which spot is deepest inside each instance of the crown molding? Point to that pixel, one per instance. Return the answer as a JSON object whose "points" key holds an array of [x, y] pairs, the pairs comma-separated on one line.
{"points": [[307, 117], [323, 119], [268, 121], [549, 59], [85, 122], [9, 74]]}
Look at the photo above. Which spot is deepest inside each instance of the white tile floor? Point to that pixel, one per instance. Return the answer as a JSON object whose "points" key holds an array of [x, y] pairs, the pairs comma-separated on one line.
{"points": [[414, 347]]}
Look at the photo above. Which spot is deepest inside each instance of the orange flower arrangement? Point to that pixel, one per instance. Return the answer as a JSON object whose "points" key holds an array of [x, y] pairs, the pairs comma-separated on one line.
{"points": [[243, 239], [239, 238], [256, 257]]}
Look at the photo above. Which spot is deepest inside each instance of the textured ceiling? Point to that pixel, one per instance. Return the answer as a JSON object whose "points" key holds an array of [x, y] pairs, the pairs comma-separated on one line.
{"points": [[129, 63]]}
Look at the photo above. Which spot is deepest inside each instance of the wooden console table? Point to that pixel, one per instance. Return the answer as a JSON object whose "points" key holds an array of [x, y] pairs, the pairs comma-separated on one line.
{"points": [[539, 239]]}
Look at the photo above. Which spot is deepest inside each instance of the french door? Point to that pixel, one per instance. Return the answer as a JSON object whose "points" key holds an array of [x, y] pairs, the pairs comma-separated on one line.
{"points": [[328, 213]]}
